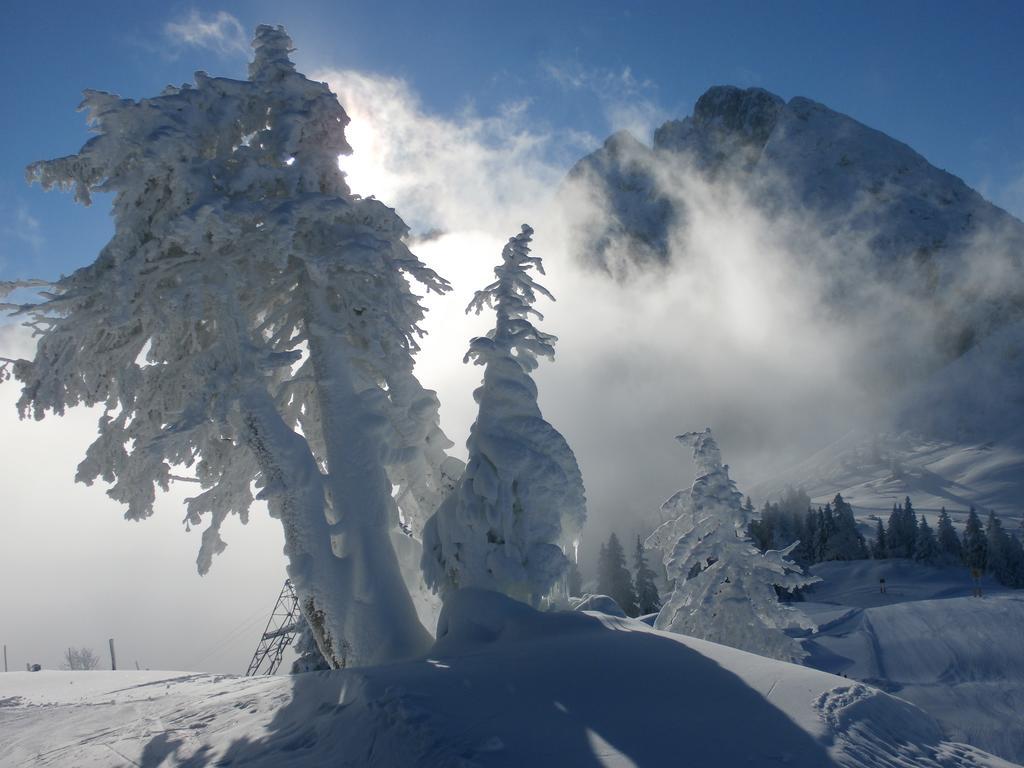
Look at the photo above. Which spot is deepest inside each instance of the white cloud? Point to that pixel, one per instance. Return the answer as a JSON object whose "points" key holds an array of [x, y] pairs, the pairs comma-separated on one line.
{"points": [[628, 102], [470, 172], [220, 32]]}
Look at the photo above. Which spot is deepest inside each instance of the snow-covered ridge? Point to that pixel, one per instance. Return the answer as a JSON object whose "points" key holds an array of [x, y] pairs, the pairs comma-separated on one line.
{"points": [[505, 686]]}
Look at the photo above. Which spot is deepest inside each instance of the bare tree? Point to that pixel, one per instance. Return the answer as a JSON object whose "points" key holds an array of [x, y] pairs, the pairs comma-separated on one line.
{"points": [[80, 658]]}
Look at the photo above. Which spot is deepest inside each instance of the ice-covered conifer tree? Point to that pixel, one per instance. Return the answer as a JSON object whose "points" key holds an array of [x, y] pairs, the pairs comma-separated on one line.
{"points": [[724, 587], [926, 547], [520, 504], [879, 546], [950, 548], [647, 598], [613, 577], [974, 543], [251, 321]]}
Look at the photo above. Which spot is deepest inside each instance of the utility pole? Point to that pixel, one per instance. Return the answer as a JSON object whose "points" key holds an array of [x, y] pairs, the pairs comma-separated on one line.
{"points": [[5, 657], [113, 658]]}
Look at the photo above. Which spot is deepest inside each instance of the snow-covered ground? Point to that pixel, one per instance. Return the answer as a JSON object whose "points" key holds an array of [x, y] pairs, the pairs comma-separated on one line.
{"points": [[503, 686], [928, 641]]}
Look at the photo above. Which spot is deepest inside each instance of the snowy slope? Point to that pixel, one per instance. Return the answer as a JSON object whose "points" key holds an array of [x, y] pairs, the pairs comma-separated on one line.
{"points": [[956, 440], [504, 686], [922, 273], [927, 641], [875, 471]]}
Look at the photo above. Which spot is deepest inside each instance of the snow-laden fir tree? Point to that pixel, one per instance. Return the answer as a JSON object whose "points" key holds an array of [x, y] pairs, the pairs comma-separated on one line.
{"points": [[647, 598], [613, 577], [926, 547], [845, 541], [997, 548], [879, 546], [901, 532], [519, 507], [724, 587], [974, 543], [950, 548], [251, 323]]}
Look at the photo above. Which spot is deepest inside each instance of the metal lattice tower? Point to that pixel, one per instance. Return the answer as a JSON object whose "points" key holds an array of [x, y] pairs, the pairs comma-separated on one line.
{"points": [[281, 627]]}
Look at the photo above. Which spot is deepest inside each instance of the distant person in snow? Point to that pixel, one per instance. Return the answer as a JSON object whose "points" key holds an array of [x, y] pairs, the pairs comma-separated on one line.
{"points": [[881, 585]]}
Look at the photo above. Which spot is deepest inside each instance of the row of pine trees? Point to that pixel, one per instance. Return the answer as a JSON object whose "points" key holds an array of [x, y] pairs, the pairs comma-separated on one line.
{"points": [[987, 548], [830, 533], [826, 533], [636, 592]]}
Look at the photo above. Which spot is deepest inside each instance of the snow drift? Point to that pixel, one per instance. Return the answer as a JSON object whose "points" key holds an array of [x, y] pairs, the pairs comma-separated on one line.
{"points": [[505, 685]]}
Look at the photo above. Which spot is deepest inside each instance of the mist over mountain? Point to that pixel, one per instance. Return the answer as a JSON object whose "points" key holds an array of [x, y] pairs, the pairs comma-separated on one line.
{"points": [[792, 154], [918, 276]]}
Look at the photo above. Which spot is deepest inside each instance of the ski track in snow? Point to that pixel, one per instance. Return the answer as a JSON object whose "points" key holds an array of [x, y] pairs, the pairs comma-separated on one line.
{"points": [[926, 640]]}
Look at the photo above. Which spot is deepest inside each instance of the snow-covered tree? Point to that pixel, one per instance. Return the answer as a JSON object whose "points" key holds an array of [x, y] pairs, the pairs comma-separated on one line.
{"points": [[926, 547], [1015, 559], [520, 504], [647, 598], [845, 542], [80, 658], [785, 521], [902, 530], [974, 544], [879, 546], [724, 587], [250, 324], [997, 548], [950, 549], [613, 577]]}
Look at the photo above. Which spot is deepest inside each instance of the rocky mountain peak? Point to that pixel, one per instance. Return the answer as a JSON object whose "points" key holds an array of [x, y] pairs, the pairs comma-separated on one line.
{"points": [[728, 129]]}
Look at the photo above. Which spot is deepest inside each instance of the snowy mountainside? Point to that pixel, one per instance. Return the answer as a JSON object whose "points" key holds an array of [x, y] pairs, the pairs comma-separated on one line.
{"points": [[875, 471], [927, 641], [956, 439], [917, 272], [800, 154], [504, 686]]}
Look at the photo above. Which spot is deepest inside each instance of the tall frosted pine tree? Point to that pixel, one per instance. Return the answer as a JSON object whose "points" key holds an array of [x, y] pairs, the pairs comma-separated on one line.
{"points": [[975, 546], [250, 324], [724, 587], [519, 507], [950, 548], [647, 598], [613, 577]]}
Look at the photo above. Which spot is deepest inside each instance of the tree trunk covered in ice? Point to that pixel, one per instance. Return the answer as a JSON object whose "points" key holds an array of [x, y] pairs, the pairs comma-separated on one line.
{"points": [[251, 325]]}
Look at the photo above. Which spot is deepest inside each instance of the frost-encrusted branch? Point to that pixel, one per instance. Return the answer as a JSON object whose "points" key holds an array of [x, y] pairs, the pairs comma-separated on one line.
{"points": [[512, 297], [724, 588]]}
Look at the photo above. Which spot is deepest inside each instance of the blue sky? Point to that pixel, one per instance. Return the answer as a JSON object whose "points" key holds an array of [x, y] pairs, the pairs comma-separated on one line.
{"points": [[943, 77]]}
